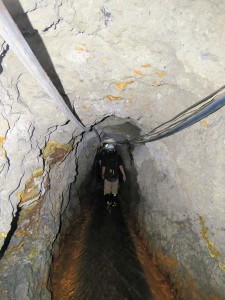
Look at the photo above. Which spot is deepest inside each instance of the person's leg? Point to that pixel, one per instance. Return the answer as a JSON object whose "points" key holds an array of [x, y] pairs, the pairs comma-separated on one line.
{"points": [[114, 191], [107, 187], [107, 191], [115, 186]]}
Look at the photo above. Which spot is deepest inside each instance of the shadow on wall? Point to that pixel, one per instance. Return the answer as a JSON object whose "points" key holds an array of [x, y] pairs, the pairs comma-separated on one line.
{"points": [[37, 45], [130, 190]]}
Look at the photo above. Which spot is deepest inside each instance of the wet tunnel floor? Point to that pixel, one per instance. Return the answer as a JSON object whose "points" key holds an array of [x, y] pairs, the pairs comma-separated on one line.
{"points": [[100, 259]]}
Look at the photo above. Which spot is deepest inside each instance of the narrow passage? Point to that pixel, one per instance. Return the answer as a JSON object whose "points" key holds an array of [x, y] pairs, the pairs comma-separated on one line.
{"points": [[100, 259]]}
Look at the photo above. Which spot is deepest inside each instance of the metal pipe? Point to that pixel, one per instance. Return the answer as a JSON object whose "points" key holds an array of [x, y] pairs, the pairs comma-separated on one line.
{"points": [[12, 35]]}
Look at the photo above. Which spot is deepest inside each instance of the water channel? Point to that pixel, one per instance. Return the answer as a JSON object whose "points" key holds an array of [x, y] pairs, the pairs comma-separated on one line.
{"points": [[101, 258]]}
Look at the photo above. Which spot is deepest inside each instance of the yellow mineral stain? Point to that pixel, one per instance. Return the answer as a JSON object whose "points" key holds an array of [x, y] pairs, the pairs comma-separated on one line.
{"points": [[138, 72], [2, 151], [222, 266], [38, 173], [33, 253], [3, 235], [146, 66], [154, 82], [122, 85], [3, 154], [160, 74], [80, 48], [3, 292], [18, 194], [31, 190], [210, 245], [22, 233], [2, 140], [52, 147], [85, 107], [204, 123], [114, 98], [16, 248]]}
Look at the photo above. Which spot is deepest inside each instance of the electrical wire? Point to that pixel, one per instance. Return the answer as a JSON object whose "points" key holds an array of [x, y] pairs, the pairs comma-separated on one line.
{"points": [[14, 38], [184, 119]]}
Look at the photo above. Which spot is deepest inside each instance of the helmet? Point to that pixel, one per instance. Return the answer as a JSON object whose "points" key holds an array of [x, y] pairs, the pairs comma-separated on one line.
{"points": [[109, 141], [109, 147]]}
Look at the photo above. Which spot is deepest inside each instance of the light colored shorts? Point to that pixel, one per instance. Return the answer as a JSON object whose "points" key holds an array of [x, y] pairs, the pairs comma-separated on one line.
{"points": [[111, 187]]}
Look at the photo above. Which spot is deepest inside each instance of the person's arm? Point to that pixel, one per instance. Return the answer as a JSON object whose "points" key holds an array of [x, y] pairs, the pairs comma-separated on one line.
{"points": [[103, 172], [123, 172]]}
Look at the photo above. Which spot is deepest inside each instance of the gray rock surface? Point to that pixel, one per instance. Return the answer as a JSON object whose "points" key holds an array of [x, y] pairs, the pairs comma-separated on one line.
{"points": [[139, 60]]}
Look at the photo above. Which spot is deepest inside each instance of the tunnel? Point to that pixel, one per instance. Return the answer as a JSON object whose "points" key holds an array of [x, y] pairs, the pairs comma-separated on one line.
{"points": [[114, 70]]}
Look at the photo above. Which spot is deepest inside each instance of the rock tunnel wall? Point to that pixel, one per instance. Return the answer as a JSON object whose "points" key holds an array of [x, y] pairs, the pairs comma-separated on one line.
{"points": [[180, 215], [139, 61]]}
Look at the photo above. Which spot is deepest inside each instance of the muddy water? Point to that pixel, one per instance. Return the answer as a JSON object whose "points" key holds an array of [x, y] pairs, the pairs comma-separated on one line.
{"points": [[100, 259]]}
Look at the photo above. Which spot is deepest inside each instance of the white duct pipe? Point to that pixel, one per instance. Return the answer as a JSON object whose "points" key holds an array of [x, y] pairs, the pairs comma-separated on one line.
{"points": [[11, 34]]}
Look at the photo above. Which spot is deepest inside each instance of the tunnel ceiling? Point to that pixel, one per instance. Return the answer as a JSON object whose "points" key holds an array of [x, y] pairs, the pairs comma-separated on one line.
{"points": [[137, 59], [142, 61]]}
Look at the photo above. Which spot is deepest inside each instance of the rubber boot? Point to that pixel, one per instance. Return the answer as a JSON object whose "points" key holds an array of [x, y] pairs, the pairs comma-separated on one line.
{"points": [[106, 199], [114, 200]]}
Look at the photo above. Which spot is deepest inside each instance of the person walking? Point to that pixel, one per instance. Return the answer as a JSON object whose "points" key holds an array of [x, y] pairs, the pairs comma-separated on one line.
{"points": [[111, 166]]}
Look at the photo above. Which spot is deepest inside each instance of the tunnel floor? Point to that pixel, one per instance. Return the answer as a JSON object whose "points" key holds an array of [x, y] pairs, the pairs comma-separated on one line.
{"points": [[100, 258]]}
